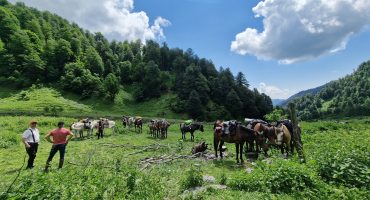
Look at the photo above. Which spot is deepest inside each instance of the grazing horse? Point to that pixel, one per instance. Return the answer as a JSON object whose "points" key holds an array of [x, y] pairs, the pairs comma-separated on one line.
{"points": [[138, 123], [264, 133], [238, 135], [83, 125], [162, 126], [190, 128], [284, 138], [153, 128], [128, 121]]}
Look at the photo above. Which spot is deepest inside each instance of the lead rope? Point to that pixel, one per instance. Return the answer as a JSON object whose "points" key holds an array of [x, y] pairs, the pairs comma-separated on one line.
{"points": [[15, 179]]}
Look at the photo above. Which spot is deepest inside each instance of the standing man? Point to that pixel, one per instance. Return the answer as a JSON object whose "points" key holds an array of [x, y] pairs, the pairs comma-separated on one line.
{"points": [[100, 128], [61, 136], [31, 139]]}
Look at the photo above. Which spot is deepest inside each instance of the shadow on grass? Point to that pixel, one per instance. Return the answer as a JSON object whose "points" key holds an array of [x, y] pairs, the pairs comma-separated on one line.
{"points": [[230, 164]]}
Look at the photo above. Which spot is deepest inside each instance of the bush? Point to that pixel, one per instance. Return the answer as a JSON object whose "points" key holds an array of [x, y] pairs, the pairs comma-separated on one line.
{"points": [[280, 177], [193, 178], [349, 170]]}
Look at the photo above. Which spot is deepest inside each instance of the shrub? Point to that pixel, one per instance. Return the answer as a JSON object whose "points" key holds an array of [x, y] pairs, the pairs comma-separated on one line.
{"points": [[193, 178], [223, 179], [279, 177], [350, 170]]}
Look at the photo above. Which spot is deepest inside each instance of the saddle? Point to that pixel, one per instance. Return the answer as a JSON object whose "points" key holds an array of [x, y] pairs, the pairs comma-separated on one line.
{"points": [[229, 127], [252, 122]]}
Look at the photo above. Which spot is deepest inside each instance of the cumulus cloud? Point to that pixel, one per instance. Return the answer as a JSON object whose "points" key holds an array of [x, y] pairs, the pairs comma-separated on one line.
{"points": [[273, 91], [114, 18], [298, 30]]}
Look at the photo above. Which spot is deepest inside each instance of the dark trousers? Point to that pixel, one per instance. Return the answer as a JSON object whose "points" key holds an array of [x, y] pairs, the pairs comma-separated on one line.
{"points": [[100, 133], [54, 149], [31, 154]]}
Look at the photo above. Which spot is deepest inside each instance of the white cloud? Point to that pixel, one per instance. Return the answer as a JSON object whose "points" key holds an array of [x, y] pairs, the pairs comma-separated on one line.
{"points": [[114, 18], [273, 91], [298, 30]]}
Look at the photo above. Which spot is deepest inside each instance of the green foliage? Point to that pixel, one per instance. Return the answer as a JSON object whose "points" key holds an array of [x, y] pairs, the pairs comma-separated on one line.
{"points": [[275, 115], [348, 169], [223, 179], [192, 178], [111, 85], [194, 105], [346, 96]]}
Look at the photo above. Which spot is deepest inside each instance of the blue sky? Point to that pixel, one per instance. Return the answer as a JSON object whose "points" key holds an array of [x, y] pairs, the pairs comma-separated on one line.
{"points": [[293, 45]]}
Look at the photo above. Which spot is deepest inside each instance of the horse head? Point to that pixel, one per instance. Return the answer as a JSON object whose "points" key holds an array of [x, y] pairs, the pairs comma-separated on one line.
{"points": [[201, 127]]}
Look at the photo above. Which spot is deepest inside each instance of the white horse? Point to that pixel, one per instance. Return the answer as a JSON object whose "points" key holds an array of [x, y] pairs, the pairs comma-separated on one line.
{"points": [[128, 121], [80, 127]]}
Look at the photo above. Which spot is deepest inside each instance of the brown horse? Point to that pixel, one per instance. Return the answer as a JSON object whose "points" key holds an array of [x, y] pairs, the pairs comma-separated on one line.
{"points": [[163, 126], [284, 139], [138, 123], [238, 135], [263, 132], [153, 128]]}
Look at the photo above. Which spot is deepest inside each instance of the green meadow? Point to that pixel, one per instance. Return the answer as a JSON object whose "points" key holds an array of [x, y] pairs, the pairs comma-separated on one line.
{"points": [[337, 154]]}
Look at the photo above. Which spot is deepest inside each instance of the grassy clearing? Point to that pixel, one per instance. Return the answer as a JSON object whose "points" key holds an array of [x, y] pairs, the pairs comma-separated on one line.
{"points": [[109, 168], [48, 101]]}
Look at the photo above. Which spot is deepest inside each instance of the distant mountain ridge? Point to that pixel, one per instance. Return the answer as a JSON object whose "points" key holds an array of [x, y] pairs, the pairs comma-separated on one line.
{"points": [[312, 91], [277, 102]]}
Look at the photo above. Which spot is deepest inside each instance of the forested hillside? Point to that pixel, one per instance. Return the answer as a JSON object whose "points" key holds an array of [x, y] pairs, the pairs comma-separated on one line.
{"points": [[43, 48], [347, 96], [312, 91]]}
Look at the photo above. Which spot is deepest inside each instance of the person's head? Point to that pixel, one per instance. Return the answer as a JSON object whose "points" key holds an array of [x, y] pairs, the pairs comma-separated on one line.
{"points": [[33, 124], [60, 124]]}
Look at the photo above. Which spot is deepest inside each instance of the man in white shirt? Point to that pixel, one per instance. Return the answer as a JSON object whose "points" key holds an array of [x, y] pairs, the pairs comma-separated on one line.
{"points": [[31, 139]]}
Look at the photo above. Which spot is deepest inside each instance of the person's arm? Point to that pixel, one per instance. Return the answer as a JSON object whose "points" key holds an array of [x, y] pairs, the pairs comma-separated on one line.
{"points": [[25, 143], [24, 136], [47, 137], [70, 136]]}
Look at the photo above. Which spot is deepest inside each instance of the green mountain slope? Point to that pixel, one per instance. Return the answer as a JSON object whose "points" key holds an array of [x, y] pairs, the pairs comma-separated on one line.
{"points": [[42, 48], [346, 96]]}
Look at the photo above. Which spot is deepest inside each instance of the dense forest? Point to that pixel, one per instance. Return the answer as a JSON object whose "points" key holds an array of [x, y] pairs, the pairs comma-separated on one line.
{"points": [[347, 96], [43, 48]]}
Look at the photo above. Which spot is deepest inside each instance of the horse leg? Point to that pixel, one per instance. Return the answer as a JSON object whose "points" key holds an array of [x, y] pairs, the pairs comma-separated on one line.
{"points": [[192, 136], [220, 148], [241, 152], [215, 144], [237, 152]]}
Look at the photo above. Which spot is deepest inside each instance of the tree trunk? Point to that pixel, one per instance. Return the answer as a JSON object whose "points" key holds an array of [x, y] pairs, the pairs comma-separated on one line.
{"points": [[296, 132]]}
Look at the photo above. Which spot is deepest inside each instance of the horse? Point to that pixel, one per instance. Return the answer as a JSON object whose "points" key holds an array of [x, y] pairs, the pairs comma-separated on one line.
{"points": [[190, 128], [128, 121], [138, 123], [153, 128], [81, 126], [163, 127], [289, 125], [284, 138], [107, 124], [262, 133], [238, 134]]}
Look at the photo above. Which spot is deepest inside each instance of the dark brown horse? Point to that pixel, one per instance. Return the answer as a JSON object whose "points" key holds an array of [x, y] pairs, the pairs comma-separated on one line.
{"points": [[190, 128], [238, 135], [138, 125]]}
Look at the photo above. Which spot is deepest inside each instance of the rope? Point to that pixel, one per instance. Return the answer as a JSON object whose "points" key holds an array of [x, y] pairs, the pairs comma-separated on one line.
{"points": [[15, 179]]}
